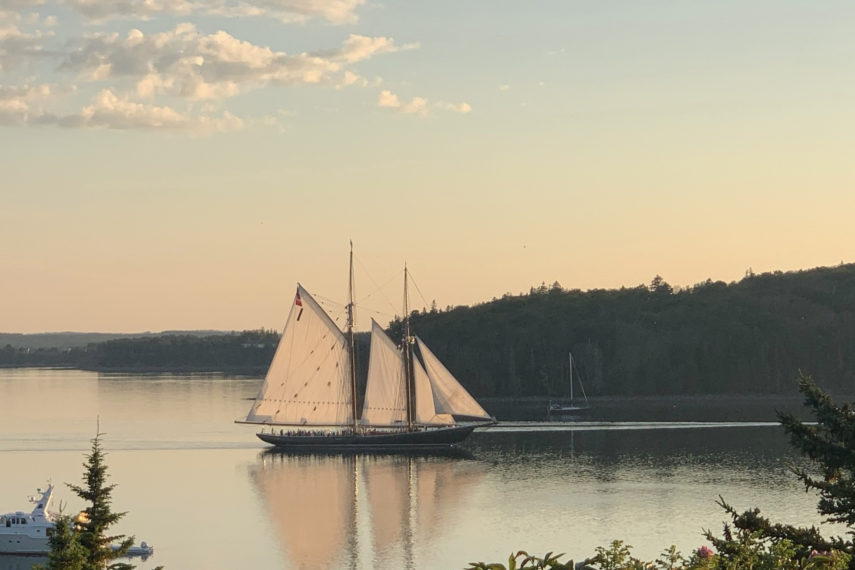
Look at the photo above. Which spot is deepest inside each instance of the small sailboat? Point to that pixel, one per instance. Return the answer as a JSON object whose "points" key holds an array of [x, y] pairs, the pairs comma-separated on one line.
{"points": [[309, 401], [571, 406]]}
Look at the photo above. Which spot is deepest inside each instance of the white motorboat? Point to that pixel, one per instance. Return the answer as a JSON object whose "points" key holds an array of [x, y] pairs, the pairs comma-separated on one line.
{"points": [[143, 551], [27, 533]]}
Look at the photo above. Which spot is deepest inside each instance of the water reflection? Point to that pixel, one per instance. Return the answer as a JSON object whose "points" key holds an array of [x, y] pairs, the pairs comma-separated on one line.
{"points": [[361, 510], [11, 562]]}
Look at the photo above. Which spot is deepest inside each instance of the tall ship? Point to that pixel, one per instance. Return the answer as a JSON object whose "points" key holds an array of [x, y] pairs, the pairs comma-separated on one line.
{"points": [[309, 397]]}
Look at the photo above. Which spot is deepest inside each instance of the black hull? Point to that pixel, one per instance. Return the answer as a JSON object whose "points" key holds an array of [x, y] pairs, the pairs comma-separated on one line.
{"points": [[433, 439]]}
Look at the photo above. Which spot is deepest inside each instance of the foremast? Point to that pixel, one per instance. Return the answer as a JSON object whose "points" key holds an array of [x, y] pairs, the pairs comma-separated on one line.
{"points": [[351, 344]]}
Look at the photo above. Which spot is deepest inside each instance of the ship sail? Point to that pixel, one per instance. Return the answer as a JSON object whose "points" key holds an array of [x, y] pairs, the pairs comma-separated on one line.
{"points": [[425, 407], [385, 399], [449, 396], [385, 389], [308, 380]]}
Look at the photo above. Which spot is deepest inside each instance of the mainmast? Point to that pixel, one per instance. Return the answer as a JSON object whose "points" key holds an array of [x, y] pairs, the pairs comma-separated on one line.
{"points": [[352, 343], [408, 356]]}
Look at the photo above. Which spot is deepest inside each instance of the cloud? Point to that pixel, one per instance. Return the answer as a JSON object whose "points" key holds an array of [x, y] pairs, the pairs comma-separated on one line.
{"points": [[111, 111], [186, 63], [334, 11], [10, 6], [357, 48], [388, 100], [418, 105], [104, 9], [18, 48], [16, 102], [462, 107]]}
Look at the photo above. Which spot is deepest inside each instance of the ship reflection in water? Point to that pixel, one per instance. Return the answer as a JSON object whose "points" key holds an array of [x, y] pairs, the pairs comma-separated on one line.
{"points": [[361, 510]]}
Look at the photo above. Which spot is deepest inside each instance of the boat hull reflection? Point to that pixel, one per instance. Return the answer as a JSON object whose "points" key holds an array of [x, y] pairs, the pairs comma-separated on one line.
{"points": [[362, 510]]}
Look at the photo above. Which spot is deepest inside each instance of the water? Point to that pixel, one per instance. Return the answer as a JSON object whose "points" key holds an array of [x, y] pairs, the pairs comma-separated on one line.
{"points": [[205, 493]]}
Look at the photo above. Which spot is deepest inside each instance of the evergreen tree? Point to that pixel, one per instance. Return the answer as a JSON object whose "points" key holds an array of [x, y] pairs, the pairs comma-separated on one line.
{"points": [[830, 445], [99, 516], [66, 552]]}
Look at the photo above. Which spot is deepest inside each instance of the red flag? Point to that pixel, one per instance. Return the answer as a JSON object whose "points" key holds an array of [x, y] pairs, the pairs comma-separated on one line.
{"points": [[298, 301]]}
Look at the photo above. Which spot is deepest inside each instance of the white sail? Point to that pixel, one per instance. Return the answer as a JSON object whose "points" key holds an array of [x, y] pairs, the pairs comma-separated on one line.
{"points": [[425, 406], [308, 382], [385, 391], [449, 396]]}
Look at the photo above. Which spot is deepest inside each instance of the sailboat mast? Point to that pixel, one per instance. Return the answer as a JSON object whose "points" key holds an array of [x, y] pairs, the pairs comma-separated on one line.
{"points": [[352, 351], [408, 356], [570, 360]]}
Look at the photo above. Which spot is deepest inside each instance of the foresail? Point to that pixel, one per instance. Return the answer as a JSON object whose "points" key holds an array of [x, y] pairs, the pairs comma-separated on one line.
{"points": [[385, 392], [308, 382], [449, 396]]}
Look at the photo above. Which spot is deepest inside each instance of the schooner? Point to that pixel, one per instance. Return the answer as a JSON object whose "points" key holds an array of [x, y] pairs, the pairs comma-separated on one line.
{"points": [[308, 399]]}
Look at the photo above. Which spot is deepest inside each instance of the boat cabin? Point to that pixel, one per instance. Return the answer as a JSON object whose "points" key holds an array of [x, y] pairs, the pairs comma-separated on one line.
{"points": [[14, 519]]}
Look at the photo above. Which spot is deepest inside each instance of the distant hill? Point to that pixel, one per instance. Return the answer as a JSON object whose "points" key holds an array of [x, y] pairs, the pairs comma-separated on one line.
{"points": [[750, 336], [65, 340]]}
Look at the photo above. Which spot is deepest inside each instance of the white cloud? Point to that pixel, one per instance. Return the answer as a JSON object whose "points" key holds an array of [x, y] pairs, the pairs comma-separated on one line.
{"points": [[388, 100], [104, 9], [334, 11], [170, 79], [357, 48], [16, 102], [111, 111], [186, 63], [418, 105], [462, 107]]}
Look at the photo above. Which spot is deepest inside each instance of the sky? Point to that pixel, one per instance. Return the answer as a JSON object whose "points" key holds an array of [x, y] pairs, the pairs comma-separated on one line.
{"points": [[182, 164]]}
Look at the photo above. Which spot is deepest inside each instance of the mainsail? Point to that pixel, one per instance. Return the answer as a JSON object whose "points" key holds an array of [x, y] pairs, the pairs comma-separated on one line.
{"points": [[448, 395], [308, 380]]}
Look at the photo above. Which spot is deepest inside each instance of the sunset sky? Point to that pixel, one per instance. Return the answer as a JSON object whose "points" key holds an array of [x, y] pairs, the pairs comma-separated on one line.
{"points": [[181, 164]]}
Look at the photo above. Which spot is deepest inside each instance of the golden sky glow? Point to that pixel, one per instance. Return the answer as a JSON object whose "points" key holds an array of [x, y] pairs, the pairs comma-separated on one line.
{"points": [[490, 146]]}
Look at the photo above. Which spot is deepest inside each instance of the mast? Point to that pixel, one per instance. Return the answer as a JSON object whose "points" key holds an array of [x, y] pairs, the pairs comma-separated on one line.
{"points": [[352, 343], [570, 356], [408, 356]]}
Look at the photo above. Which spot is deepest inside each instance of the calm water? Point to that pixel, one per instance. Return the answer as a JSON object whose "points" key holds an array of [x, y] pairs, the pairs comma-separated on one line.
{"points": [[203, 491]]}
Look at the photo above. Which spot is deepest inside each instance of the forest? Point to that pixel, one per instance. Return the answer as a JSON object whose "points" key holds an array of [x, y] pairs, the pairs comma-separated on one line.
{"points": [[745, 337]]}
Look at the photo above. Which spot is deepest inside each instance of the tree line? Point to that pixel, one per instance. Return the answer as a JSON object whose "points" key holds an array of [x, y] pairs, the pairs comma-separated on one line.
{"points": [[247, 352], [749, 336]]}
